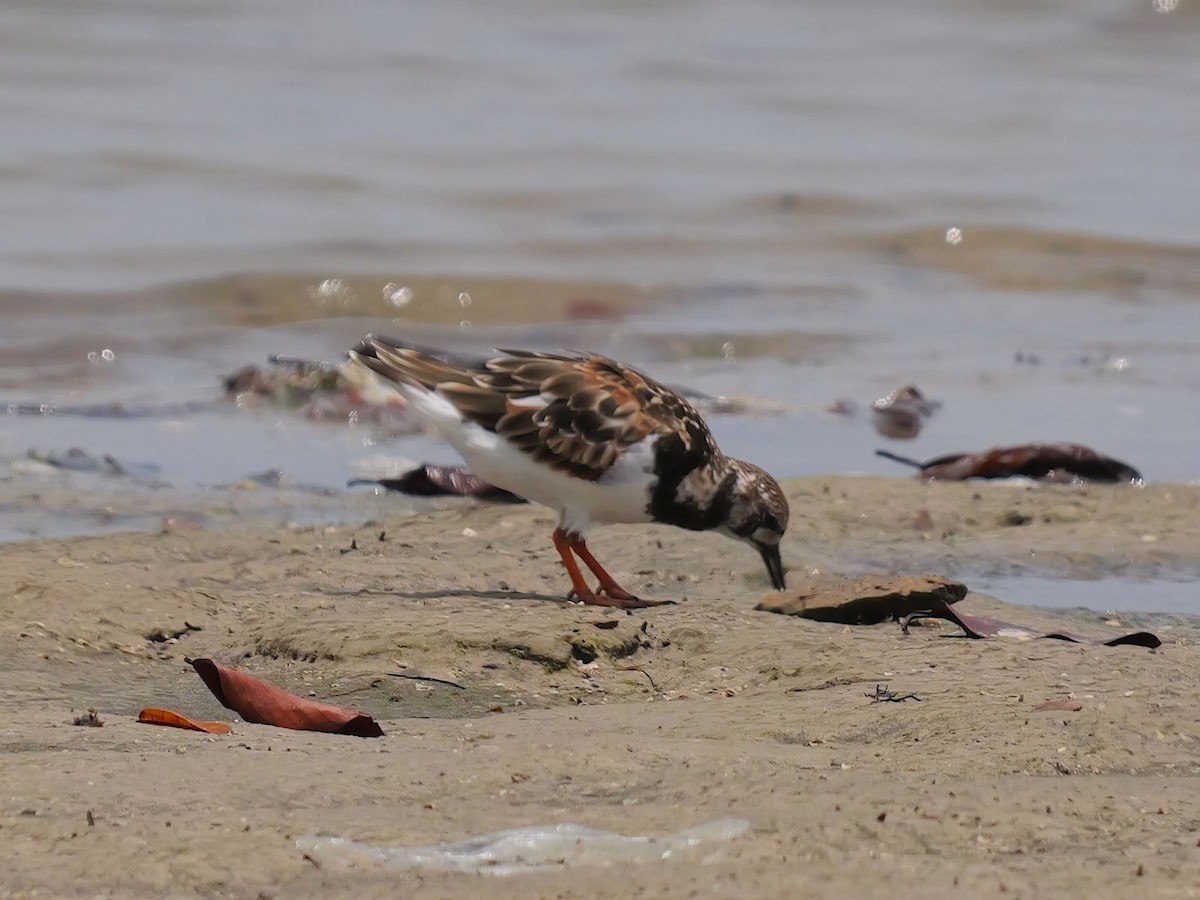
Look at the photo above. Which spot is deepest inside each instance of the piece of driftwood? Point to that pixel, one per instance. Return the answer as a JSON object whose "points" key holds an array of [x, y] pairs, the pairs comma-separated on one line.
{"points": [[1044, 462], [432, 480], [987, 627], [867, 601]]}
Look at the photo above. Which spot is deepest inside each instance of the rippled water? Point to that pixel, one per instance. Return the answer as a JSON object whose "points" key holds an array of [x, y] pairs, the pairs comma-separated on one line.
{"points": [[766, 188], [147, 142]]}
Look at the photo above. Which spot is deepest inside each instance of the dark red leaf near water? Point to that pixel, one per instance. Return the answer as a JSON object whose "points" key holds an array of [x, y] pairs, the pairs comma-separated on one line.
{"points": [[1051, 462], [987, 627]]}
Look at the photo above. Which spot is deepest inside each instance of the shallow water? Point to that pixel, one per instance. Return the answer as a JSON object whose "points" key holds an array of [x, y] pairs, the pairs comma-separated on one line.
{"points": [[761, 195], [1164, 595], [151, 142]]}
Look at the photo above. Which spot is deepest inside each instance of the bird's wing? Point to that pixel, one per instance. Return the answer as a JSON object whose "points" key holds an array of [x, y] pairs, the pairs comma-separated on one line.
{"points": [[576, 412]]}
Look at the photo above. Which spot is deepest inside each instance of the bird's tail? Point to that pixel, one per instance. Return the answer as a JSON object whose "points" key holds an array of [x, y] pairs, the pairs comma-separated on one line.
{"points": [[411, 364]]}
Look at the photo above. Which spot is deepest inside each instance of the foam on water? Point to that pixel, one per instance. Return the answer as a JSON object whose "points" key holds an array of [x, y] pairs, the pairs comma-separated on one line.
{"points": [[517, 850]]}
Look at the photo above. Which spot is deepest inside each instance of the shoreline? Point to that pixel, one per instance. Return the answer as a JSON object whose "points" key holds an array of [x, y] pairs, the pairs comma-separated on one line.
{"points": [[842, 524], [680, 715]]}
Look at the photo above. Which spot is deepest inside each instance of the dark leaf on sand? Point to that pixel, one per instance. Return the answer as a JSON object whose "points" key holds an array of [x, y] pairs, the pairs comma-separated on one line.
{"points": [[1046, 462], [987, 627], [432, 480]]}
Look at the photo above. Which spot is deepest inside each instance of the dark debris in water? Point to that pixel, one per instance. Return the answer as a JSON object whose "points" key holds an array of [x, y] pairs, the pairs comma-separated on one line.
{"points": [[902, 412], [276, 479], [316, 390], [76, 459], [109, 410], [900, 415]]}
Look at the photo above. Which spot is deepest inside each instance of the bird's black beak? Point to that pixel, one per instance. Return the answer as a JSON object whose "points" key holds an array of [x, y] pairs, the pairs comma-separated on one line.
{"points": [[770, 555]]}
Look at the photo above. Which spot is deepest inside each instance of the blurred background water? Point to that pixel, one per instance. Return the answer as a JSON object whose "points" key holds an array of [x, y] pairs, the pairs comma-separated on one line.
{"points": [[797, 200]]}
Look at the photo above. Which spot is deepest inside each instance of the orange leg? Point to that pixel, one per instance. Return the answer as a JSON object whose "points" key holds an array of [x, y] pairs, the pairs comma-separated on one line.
{"points": [[608, 584], [610, 593], [563, 544]]}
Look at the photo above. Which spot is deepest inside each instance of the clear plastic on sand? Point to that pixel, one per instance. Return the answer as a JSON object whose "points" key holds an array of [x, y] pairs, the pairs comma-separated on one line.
{"points": [[525, 849]]}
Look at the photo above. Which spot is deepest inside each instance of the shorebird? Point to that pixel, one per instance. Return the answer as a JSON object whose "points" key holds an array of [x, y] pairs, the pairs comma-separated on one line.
{"points": [[593, 439]]}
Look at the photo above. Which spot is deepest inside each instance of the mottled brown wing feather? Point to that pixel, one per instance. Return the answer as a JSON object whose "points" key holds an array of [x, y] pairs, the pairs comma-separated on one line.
{"points": [[575, 412], [594, 408], [412, 366]]}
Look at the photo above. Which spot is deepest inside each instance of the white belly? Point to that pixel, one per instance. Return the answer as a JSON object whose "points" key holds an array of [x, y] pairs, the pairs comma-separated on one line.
{"points": [[622, 495]]}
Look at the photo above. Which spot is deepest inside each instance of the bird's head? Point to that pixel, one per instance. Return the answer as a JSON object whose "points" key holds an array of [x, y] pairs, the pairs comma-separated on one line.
{"points": [[758, 515]]}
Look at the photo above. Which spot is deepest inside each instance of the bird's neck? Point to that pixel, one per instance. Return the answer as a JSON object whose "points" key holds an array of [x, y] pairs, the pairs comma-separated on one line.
{"points": [[697, 498]]}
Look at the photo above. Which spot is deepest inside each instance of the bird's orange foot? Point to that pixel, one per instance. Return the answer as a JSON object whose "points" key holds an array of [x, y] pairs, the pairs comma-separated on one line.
{"points": [[609, 593], [616, 598]]}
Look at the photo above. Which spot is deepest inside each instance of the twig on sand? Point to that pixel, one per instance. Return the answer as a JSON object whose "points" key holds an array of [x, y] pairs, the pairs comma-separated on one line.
{"points": [[453, 684], [881, 694], [162, 635], [638, 669]]}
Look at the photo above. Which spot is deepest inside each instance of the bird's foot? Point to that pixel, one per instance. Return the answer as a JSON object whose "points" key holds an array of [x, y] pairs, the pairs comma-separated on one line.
{"points": [[616, 598]]}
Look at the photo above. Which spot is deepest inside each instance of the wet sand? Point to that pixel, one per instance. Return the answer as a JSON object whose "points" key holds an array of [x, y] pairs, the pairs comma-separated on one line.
{"points": [[673, 717]]}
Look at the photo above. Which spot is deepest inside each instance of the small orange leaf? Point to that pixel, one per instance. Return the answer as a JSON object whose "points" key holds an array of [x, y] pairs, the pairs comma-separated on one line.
{"points": [[1064, 705], [172, 719]]}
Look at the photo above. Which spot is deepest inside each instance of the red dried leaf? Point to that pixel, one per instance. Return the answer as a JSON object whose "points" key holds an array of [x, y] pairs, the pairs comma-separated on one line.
{"points": [[1040, 461], [257, 701], [1062, 704]]}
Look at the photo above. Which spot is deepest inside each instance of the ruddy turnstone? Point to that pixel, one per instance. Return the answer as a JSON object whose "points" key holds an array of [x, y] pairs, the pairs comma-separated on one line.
{"points": [[595, 440]]}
